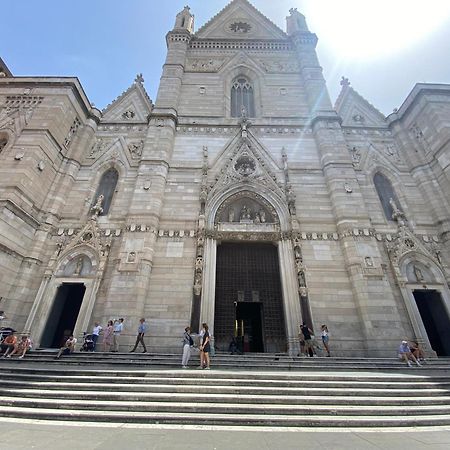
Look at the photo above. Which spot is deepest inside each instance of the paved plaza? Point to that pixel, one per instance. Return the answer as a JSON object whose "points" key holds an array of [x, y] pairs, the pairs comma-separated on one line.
{"points": [[25, 435]]}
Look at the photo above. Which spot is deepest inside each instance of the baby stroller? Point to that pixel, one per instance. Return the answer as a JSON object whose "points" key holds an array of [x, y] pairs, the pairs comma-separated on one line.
{"points": [[88, 343]]}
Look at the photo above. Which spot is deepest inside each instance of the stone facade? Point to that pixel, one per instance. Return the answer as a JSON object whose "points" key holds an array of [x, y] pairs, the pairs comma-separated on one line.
{"points": [[185, 169]]}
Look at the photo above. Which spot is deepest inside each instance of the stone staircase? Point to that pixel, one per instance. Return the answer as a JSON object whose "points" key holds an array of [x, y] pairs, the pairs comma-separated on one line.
{"points": [[253, 390]]}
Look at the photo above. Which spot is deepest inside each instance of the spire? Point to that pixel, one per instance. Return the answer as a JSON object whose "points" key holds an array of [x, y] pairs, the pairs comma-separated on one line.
{"points": [[185, 20], [296, 22]]}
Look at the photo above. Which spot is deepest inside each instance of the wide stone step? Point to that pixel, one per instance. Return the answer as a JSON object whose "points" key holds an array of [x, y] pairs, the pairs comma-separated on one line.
{"points": [[230, 408], [208, 418], [177, 397], [299, 382], [210, 387]]}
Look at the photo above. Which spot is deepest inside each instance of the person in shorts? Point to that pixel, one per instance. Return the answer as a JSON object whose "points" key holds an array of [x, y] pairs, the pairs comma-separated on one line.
{"points": [[68, 348]]}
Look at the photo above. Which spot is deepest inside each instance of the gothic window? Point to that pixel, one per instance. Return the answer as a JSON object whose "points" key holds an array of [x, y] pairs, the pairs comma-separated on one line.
{"points": [[385, 193], [242, 96], [107, 187]]}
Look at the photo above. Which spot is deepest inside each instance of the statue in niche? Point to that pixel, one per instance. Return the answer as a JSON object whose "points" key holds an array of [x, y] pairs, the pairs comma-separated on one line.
{"points": [[97, 209], [298, 253], [231, 215], [262, 215], [246, 213], [301, 278], [418, 274], [79, 266], [397, 214], [131, 257]]}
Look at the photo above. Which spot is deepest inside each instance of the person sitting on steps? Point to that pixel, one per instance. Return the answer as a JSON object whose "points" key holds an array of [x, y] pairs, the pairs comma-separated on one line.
{"points": [[68, 348], [405, 354]]}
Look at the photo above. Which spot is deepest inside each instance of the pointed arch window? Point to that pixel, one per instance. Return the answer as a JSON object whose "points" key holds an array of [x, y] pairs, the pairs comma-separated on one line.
{"points": [[242, 97], [385, 192], [107, 187]]}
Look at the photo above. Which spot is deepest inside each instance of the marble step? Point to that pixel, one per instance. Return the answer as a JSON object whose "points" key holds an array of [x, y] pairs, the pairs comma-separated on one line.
{"points": [[211, 387], [229, 408], [175, 397], [298, 382], [208, 418]]}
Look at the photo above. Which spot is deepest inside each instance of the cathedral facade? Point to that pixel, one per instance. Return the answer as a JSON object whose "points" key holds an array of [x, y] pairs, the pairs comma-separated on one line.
{"points": [[241, 198]]}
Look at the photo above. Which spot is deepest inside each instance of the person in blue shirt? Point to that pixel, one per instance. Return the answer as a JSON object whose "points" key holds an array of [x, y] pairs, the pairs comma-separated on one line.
{"points": [[405, 354], [142, 329]]}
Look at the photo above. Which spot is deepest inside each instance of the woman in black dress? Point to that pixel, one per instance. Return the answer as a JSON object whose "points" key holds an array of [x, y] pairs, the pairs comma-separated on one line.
{"points": [[205, 347]]}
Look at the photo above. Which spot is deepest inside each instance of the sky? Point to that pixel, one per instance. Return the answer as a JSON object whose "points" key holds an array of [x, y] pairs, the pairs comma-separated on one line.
{"points": [[384, 47]]}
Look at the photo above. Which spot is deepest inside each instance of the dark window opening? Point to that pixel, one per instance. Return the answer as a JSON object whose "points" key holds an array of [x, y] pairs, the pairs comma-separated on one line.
{"points": [[385, 192], [107, 187], [242, 98]]}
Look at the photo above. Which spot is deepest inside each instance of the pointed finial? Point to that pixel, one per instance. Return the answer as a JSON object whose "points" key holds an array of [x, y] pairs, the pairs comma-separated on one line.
{"points": [[345, 82], [139, 78]]}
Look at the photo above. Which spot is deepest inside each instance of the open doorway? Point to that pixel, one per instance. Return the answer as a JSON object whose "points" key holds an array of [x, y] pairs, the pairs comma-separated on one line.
{"points": [[63, 315], [435, 319], [249, 326]]}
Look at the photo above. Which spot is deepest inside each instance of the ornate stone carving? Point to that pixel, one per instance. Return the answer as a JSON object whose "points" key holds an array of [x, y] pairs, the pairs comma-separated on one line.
{"points": [[356, 156], [290, 198], [276, 66], [97, 209], [100, 147], [128, 114], [136, 148], [72, 131], [245, 165], [205, 65]]}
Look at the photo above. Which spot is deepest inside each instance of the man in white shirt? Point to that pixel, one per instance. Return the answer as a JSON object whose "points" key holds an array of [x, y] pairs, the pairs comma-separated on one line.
{"points": [[117, 329], [96, 333]]}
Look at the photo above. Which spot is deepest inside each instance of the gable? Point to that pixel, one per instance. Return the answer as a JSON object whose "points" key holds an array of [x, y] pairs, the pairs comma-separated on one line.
{"points": [[240, 20], [357, 111], [132, 106]]}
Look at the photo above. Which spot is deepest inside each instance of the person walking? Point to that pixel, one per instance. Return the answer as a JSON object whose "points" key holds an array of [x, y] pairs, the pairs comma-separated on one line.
{"points": [[188, 342], [96, 333], [205, 348], [108, 336], [117, 330], [326, 339], [142, 329]]}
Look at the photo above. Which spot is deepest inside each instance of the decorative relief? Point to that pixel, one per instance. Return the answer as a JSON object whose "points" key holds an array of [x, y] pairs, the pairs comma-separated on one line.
{"points": [[276, 66], [100, 147], [300, 267], [136, 148], [355, 154], [205, 65], [24, 104], [240, 27], [72, 131], [128, 114]]}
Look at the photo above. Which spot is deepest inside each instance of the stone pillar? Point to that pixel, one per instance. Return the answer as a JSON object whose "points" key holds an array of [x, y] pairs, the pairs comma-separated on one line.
{"points": [[207, 306], [291, 301]]}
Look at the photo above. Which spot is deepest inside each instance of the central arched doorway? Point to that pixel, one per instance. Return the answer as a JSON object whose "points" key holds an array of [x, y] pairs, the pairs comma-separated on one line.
{"points": [[248, 297]]}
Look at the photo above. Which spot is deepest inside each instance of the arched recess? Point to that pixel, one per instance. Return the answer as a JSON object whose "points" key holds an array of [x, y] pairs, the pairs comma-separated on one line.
{"points": [[100, 168], [427, 298], [107, 187], [253, 231], [242, 97], [66, 296], [6, 138], [253, 74], [394, 179]]}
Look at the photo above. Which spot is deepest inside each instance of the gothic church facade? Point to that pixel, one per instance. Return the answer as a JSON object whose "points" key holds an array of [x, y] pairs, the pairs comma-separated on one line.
{"points": [[241, 198]]}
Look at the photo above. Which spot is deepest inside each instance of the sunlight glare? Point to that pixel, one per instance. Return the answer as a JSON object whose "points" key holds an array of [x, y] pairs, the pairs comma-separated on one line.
{"points": [[382, 27]]}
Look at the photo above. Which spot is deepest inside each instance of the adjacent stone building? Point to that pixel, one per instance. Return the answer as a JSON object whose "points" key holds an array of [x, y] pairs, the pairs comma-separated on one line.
{"points": [[241, 198]]}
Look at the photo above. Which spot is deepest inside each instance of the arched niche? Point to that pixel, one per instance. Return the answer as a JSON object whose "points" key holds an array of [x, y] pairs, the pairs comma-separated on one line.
{"points": [[246, 207], [418, 268], [81, 262]]}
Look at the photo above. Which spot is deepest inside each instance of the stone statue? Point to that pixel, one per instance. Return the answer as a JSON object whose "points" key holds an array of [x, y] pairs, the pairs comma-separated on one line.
{"points": [[397, 214], [97, 209], [231, 215], [79, 266], [245, 213], [298, 252], [262, 215], [301, 279], [418, 274]]}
